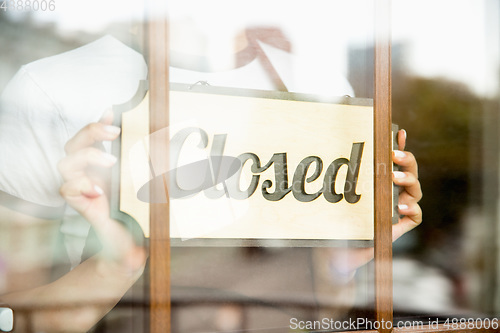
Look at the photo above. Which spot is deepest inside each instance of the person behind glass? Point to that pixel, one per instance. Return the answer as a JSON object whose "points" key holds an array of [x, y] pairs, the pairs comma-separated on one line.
{"points": [[260, 58], [52, 117], [52, 121]]}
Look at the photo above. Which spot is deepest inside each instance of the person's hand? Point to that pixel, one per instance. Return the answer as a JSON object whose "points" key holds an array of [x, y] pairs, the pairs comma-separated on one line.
{"points": [[343, 262], [410, 193], [85, 171]]}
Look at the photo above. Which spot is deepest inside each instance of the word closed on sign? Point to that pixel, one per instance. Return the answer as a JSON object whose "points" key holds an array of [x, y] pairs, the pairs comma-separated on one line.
{"points": [[244, 167]]}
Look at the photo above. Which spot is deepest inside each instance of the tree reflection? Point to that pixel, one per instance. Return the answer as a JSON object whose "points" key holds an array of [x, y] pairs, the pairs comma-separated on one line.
{"points": [[446, 125]]}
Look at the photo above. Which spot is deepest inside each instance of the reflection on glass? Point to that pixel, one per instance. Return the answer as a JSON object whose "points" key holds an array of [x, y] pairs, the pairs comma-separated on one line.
{"points": [[88, 64], [325, 51], [445, 81], [54, 273], [283, 286]]}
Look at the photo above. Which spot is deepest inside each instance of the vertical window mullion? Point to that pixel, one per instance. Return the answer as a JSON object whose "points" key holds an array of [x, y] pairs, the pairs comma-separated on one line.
{"points": [[383, 166]]}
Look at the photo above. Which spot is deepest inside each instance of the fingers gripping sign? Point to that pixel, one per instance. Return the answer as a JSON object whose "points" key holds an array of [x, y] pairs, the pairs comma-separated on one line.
{"points": [[86, 174], [411, 192], [82, 169], [346, 261]]}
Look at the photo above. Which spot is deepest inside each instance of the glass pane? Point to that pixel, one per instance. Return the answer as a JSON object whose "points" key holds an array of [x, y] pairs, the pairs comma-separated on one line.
{"points": [[62, 64], [225, 53], [66, 266], [445, 94]]}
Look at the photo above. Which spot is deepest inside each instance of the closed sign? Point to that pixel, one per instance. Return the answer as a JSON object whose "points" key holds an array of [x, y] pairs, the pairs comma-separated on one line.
{"points": [[254, 167]]}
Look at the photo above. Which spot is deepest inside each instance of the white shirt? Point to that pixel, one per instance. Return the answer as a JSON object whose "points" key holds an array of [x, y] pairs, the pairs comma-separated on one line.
{"points": [[43, 106], [296, 77], [48, 101]]}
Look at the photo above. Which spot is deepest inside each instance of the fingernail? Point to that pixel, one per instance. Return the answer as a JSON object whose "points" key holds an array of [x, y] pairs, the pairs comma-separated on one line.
{"points": [[98, 190], [399, 174], [399, 153], [109, 158], [112, 129], [402, 207], [404, 132]]}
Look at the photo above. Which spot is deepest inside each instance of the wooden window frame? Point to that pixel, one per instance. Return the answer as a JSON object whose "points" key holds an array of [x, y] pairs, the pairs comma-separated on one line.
{"points": [[160, 297]]}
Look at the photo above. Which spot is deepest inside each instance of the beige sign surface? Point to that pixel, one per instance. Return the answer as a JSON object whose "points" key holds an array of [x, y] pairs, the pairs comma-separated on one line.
{"points": [[255, 168]]}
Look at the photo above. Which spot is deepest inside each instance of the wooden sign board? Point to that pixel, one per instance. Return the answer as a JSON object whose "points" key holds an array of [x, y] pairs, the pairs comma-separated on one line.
{"points": [[251, 165]]}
